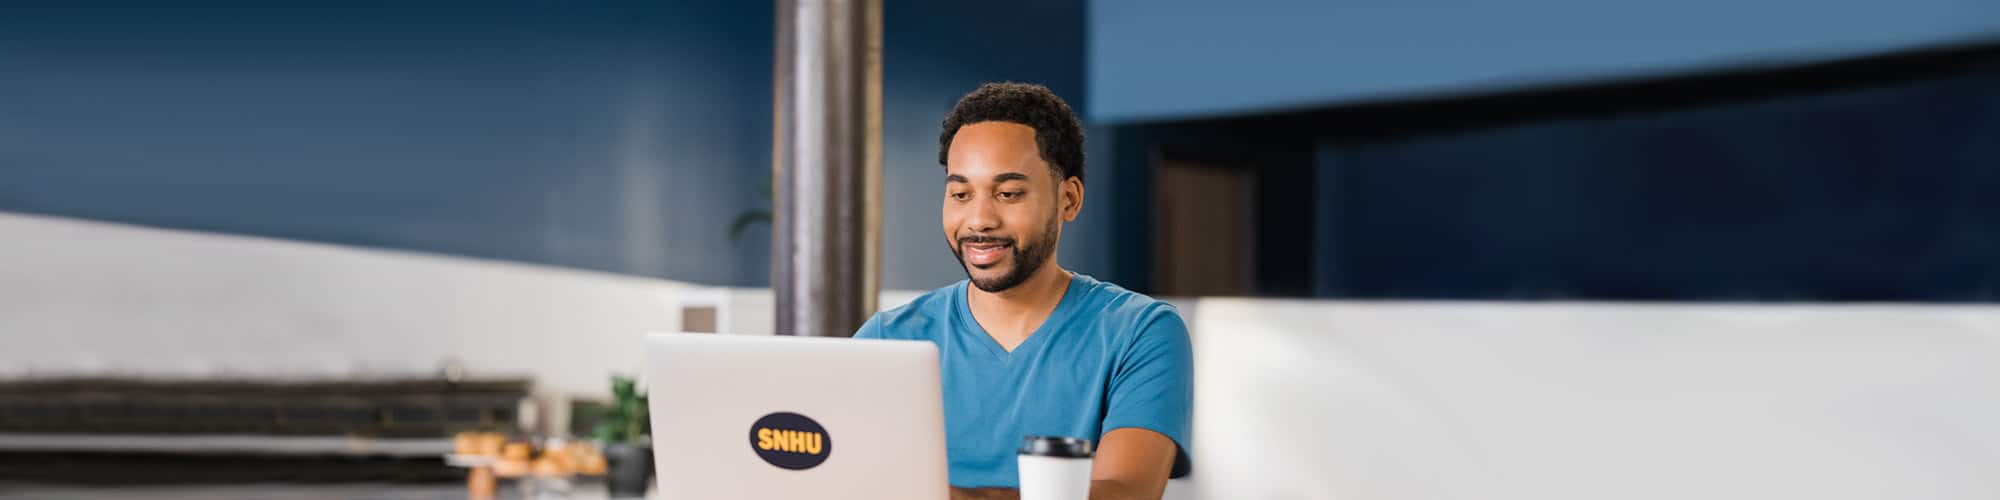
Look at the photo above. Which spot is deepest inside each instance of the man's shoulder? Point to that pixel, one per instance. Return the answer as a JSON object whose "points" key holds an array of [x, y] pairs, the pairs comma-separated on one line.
{"points": [[915, 319], [1130, 311]]}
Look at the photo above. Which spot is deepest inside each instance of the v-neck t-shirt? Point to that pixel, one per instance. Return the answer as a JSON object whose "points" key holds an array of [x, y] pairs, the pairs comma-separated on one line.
{"points": [[1106, 358]]}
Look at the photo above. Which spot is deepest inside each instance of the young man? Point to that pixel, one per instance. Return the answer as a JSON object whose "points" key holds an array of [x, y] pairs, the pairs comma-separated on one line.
{"points": [[1028, 348]]}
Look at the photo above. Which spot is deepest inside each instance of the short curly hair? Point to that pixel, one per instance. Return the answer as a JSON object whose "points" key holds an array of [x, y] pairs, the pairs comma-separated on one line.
{"points": [[1058, 133]]}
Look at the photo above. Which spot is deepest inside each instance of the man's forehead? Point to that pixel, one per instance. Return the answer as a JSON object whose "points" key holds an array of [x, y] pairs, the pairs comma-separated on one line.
{"points": [[989, 150]]}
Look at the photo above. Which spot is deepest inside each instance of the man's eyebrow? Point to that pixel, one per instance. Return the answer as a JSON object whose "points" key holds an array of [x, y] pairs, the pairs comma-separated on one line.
{"points": [[950, 178], [1010, 176]]}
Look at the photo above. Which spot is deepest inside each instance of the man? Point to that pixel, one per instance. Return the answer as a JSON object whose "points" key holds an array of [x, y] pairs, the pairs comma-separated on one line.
{"points": [[1026, 347]]}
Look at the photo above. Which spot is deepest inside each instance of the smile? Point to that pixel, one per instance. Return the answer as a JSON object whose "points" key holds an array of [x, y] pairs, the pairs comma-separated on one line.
{"points": [[984, 255]]}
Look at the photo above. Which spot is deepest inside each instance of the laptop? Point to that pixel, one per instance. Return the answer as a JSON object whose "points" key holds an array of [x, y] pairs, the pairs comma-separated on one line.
{"points": [[795, 417]]}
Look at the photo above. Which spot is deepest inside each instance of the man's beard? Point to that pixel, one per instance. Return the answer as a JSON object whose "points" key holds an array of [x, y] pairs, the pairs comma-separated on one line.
{"points": [[1028, 257]]}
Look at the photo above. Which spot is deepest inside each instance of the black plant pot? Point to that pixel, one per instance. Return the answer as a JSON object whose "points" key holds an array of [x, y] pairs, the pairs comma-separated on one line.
{"points": [[628, 467]]}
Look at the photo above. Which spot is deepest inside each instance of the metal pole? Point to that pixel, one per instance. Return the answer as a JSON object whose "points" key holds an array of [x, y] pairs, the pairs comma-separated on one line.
{"points": [[826, 158]]}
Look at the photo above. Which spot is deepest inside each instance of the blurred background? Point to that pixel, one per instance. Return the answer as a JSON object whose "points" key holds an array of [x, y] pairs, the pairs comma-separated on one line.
{"points": [[1427, 249]]}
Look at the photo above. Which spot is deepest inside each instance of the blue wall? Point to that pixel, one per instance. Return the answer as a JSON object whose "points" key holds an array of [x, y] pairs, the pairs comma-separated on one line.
{"points": [[613, 138], [620, 137], [1168, 59], [1884, 193]]}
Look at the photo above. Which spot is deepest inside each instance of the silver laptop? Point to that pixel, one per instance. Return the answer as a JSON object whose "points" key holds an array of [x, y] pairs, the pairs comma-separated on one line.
{"points": [[795, 417]]}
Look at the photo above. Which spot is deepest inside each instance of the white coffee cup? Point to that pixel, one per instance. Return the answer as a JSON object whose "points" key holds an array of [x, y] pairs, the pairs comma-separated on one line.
{"points": [[1054, 468]]}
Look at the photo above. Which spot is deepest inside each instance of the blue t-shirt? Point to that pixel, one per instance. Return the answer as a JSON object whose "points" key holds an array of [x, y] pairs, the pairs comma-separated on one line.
{"points": [[1106, 358]]}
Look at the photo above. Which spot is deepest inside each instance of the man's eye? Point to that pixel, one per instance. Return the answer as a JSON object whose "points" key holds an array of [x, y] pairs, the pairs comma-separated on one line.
{"points": [[1009, 195], [960, 196]]}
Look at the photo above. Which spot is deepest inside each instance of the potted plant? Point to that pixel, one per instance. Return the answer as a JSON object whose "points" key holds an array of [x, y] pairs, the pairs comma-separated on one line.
{"points": [[626, 434]]}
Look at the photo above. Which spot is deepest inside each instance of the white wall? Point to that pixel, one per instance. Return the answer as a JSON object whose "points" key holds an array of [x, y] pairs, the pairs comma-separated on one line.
{"points": [[89, 298], [1385, 400]]}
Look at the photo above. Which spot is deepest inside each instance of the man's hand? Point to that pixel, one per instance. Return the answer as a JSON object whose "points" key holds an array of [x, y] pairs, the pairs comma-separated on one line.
{"points": [[1131, 463]]}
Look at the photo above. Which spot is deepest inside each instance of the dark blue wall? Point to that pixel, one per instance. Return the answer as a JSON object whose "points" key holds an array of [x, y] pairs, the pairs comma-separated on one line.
{"points": [[620, 136], [617, 138], [1881, 193]]}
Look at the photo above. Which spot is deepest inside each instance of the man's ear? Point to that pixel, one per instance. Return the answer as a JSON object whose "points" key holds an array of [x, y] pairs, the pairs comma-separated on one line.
{"points": [[1072, 198]]}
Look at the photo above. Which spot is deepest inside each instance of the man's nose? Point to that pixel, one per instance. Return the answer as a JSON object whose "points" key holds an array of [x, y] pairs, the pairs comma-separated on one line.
{"points": [[982, 216]]}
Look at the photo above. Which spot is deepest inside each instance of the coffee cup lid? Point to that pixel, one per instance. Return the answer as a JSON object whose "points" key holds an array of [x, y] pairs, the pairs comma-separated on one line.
{"points": [[1055, 446]]}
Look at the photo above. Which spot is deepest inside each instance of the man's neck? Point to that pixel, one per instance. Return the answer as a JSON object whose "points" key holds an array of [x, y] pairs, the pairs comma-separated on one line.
{"points": [[1011, 315]]}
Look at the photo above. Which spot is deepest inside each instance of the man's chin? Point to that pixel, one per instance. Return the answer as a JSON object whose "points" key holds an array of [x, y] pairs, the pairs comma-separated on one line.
{"points": [[988, 274], [992, 284], [991, 272]]}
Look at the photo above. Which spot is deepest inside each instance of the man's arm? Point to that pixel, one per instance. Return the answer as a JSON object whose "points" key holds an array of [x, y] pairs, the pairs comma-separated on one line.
{"points": [[1150, 405], [1131, 463]]}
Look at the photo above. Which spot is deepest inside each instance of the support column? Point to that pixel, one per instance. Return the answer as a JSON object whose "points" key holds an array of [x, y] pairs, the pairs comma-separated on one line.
{"points": [[826, 159]]}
